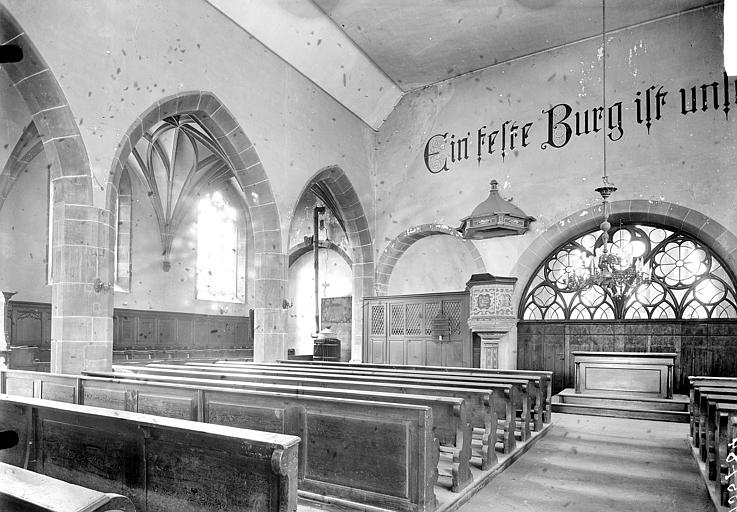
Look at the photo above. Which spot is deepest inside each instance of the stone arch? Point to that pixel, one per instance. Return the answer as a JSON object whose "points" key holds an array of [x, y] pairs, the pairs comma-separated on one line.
{"points": [[333, 182], [69, 165], [270, 319], [670, 215], [404, 241], [303, 248], [27, 148], [81, 333]]}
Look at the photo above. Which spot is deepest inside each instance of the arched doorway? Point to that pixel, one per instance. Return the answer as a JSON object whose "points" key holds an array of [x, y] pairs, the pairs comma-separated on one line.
{"points": [[346, 250]]}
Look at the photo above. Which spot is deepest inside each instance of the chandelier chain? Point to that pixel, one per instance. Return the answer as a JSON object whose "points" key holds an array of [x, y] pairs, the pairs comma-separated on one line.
{"points": [[603, 76], [620, 272]]}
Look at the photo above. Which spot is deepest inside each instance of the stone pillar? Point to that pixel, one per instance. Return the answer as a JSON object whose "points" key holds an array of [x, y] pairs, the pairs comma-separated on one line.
{"points": [[270, 315], [363, 286], [82, 276], [4, 334], [493, 318]]}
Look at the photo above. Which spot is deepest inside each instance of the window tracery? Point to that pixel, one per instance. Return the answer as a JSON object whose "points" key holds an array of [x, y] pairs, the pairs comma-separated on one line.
{"points": [[688, 280]]}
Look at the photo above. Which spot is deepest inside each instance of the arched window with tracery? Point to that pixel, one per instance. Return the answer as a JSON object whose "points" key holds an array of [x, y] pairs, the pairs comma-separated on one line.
{"points": [[688, 280], [186, 174]]}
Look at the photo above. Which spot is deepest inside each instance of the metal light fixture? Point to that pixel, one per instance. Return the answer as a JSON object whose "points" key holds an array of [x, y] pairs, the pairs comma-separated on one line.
{"points": [[615, 272], [100, 286]]}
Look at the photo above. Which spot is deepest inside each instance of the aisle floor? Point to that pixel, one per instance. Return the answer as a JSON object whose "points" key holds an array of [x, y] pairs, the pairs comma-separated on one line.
{"points": [[597, 464]]}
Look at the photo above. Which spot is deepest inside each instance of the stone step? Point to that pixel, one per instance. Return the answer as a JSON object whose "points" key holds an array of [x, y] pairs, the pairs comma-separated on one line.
{"points": [[621, 412], [628, 403]]}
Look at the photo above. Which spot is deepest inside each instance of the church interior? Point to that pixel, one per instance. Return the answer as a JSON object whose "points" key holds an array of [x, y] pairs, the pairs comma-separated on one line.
{"points": [[427, 256]]}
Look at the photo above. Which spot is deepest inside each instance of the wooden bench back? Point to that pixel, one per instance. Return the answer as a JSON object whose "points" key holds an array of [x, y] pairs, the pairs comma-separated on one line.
{"points": [[156, 462], [410, 367], [482, 403], [519, 396], [545, 377], [380, 453], [476, 398], [501, 400], [366, 374], [536, 386]]}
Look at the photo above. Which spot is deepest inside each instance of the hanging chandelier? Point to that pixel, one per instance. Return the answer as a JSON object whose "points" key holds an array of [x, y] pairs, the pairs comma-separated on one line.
{"points": [[609, 268]]}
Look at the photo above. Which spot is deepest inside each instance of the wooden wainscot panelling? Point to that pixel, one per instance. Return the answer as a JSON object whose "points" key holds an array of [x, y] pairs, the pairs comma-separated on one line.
{"points": [[30, 323], [424, 329], [701, 347], [162, 333], [161, 330]]}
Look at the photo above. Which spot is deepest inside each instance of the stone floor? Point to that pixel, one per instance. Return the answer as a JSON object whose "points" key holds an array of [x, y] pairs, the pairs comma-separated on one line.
{"points": [[597, 464]]}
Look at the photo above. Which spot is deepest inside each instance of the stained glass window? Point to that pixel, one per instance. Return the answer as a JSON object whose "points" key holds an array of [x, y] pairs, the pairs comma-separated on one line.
{"points": [[688, 281]]}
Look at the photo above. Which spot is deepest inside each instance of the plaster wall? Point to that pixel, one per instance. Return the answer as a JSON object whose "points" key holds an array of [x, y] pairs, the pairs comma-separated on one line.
{"points": [[685, 159], [151, 287], [435, 263], [333, 270], [115, 59], [24, 235]]}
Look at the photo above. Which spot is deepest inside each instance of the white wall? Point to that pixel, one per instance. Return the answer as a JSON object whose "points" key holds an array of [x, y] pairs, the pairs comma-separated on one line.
{"points": [[333, 270]]}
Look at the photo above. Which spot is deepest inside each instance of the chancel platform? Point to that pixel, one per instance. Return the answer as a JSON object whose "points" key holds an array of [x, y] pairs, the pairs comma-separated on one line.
{"points": [[625, 384]]}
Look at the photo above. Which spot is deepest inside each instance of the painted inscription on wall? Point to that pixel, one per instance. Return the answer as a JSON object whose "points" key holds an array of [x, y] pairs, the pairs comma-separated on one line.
{"points": [[562, 123]]}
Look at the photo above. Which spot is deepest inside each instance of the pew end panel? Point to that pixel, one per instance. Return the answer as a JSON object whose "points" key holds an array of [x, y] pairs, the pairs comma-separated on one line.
{"points": [[19, 492], [376, 453], [157, 462]]}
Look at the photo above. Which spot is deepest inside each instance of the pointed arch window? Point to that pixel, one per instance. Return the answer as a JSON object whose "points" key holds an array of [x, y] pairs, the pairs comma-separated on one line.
{"points": [[186, 176], [218, 241], [688, 280]]}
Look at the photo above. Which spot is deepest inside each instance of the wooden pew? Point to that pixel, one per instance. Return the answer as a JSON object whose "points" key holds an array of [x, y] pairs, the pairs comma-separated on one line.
{"points": [[712, 405], [694, 383], [713, 426], [156, 462], [20, 491], [451, 422], [725, 412], [730, 478], [451, 417], [503, 399], [479, 401], [545, 376], [536, 387], [709, 399], [696, 414], [370, 453], [520, 416]]}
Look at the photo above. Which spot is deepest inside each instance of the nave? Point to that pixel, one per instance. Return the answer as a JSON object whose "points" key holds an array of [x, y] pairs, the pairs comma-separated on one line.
{"points": [[356, 450], [411, 184]]}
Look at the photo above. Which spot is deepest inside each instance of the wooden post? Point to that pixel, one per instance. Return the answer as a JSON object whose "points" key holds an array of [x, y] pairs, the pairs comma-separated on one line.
{"points": [[315, 249]]}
